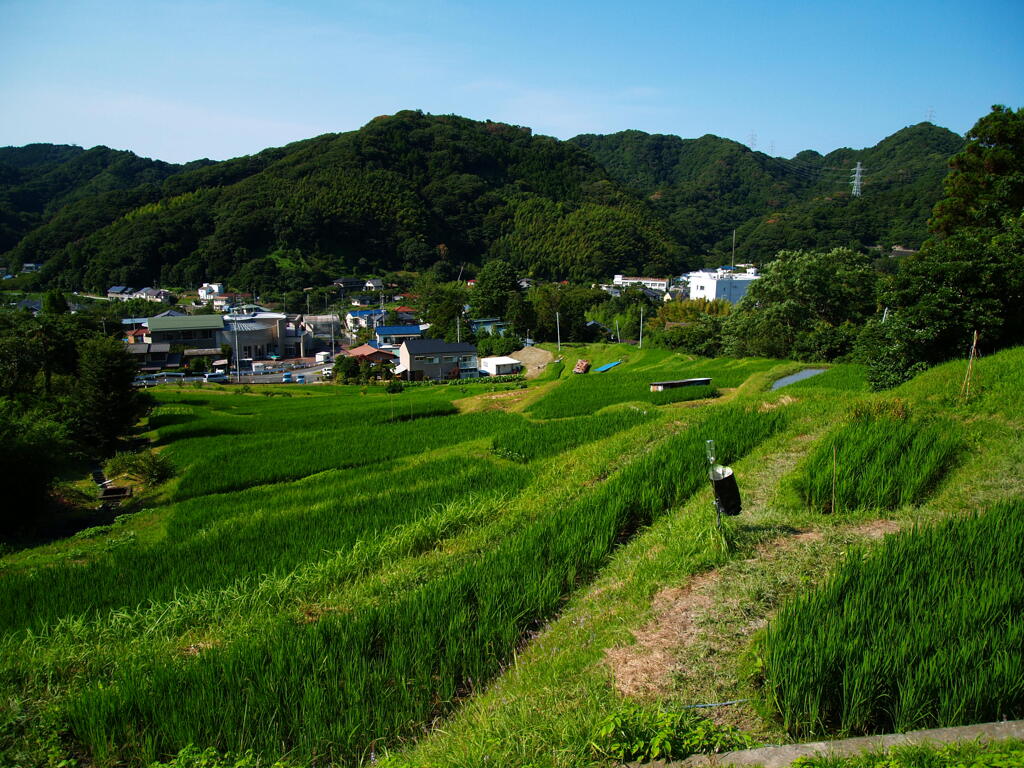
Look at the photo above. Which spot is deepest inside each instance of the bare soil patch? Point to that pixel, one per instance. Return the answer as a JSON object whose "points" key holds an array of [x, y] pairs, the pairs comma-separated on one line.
{"points": [[690, 647], [534, 359]]}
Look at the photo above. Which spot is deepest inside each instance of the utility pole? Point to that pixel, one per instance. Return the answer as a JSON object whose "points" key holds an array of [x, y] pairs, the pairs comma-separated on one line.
{"points": [[856, 182], [641, 328], [558, 330], [618, 335], [734, 249]]}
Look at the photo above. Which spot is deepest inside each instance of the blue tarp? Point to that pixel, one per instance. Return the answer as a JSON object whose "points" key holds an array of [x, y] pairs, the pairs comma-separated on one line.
{"points": [[606, 366]]}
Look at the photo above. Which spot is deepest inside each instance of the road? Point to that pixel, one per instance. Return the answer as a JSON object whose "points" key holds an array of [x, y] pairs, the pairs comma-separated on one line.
{"points": [[312, 375]]}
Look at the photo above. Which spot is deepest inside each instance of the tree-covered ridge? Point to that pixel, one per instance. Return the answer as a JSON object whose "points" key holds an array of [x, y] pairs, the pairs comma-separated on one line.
{"points": [[39, 180], [706, 187], [410, 190], [405, 191]]}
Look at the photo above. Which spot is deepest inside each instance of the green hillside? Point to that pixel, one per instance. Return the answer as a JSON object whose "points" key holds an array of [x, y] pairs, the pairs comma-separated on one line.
{"points": [[706, 187], [410, 190], [471, 575]]}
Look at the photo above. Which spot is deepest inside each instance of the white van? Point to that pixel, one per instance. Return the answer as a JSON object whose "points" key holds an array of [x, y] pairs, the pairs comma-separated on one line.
{"points": [[215, 378]]}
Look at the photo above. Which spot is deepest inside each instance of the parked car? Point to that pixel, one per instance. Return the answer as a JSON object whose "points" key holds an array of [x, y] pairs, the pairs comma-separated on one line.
{"points": [[300, 379], [171, 375], [215, 378], [286, 378]]}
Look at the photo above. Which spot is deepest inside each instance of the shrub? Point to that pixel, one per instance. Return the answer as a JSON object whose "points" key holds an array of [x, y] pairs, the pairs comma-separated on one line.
{"points": [[641, 734]]}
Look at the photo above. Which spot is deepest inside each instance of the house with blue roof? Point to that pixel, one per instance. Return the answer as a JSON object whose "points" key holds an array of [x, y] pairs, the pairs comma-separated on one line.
{"points": [[394, 335], [494, 326], [364, 318]]}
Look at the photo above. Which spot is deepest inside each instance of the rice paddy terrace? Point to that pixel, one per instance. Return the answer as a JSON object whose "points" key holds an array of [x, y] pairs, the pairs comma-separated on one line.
{"points": [[496, 575]]}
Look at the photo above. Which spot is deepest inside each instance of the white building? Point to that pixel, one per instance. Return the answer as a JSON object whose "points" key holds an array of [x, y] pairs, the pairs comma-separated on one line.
{"points": [[208, 290], [500, 366], [654, 283], [720, 284]]}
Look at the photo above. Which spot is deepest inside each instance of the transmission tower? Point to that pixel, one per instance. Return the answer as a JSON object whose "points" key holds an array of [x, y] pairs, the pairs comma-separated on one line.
{"points": [[857, 172], [930, 115], [753, 140]]}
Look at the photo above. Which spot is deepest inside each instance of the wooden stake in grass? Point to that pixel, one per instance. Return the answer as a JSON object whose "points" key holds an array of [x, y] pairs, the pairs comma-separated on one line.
{"points": [[965, 389], [835, 449]]}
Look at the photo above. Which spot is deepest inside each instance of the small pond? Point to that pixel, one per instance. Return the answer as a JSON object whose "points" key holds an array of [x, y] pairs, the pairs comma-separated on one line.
{"points": [[806, 373]]}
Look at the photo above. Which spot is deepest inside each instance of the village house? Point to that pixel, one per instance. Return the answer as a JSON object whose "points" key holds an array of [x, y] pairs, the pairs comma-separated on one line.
{"points": [[119, 292], [654, 283], [371, 354], [208, 290], [432, 359], [364, 318], [153, 294], [387, 335]]}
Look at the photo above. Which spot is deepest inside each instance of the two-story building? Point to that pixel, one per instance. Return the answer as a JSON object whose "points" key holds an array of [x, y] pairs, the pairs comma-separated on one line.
{"points": [[420, 359], [188, 331], [394, 335], [654, 283], [364, 318], [720, 283]]}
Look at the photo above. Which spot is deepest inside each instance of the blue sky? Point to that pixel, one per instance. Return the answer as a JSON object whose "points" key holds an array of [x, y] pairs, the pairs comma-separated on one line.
{"points": [[183, 80]]}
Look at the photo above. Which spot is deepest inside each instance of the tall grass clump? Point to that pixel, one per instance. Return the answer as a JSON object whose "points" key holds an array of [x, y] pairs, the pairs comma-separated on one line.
{"points": [[382, 671], [926, 632], [883, 458]]}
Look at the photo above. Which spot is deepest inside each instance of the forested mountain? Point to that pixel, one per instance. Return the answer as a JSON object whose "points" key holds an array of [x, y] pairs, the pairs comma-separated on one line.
{"points": [[706, 187], [38, 180], [411, 190]]}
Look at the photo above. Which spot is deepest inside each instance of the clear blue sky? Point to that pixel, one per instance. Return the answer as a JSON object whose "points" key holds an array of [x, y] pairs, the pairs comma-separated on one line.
{"points": [[183, 80]]}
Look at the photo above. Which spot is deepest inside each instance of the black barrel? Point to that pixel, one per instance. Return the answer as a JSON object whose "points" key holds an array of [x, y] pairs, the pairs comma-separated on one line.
{"points": [[727, 493]]}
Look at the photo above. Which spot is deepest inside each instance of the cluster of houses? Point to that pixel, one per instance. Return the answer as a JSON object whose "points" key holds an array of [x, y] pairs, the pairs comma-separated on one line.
{"points": [[417, 359], [124, 293], [172, 339], [252, 331], [729, 283], [255, 333]]}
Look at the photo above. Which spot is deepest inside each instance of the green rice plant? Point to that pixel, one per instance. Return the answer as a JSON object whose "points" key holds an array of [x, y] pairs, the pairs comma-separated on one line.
{"points": [[584, 394], [883, 458], [287, 454], [847, 377], [925, 632], [334, 686], [213, 541], [532, 440], [968, 754]]}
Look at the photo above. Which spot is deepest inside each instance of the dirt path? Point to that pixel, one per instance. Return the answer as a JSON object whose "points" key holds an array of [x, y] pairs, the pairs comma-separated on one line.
{"points": [[690, 648]]}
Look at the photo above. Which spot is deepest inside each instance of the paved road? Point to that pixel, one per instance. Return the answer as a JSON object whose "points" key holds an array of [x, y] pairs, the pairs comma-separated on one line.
{"points": [[312, 374]]}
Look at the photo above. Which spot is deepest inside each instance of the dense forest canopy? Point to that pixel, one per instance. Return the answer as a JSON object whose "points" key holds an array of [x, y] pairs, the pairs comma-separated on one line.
{"points": [[409, 190], [709, 186]]}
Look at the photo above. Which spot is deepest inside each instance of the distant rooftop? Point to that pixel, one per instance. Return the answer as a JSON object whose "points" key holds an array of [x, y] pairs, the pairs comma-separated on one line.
{"points": [[186, 323]]}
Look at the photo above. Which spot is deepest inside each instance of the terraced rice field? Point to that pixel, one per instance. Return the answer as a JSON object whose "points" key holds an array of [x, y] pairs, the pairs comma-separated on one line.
{"points": [[340, 577]]}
